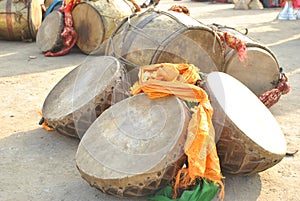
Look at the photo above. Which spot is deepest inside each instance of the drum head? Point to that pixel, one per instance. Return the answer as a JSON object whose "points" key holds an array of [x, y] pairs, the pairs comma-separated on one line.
{"points": [[49, 34], [260, 72], [81, 86], [247, 112], [89, 26], [132, 141]]}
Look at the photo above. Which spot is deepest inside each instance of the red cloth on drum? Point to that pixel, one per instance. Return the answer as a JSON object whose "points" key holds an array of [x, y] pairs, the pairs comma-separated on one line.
{"points": [[271, 97], [233, 42], [160, 80]]}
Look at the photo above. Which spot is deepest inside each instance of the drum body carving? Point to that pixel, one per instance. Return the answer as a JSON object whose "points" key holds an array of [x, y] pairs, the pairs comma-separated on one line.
{"points": [[165, 37], [260, 72], [83, 94], [250, 140], [94, 22], [19, 20], [135, 147]]}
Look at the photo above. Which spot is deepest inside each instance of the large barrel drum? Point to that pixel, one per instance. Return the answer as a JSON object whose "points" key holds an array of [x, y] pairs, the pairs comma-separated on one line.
{"points": [[83, 94], [135, 147], [94, 22], [155, 36], [260, 72], [251, 140], [20, 20]]}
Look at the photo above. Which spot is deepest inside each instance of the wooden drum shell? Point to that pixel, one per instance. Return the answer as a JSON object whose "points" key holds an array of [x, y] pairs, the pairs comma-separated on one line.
{"points": [[19, 20]]}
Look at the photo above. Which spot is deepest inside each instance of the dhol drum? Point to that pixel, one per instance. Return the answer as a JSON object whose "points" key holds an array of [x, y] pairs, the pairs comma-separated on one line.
{"points": [[49, 34], [94, 22], [135, 147], [155, 36], [83, 94], [20, 20], [260, 72], [251, 140]]}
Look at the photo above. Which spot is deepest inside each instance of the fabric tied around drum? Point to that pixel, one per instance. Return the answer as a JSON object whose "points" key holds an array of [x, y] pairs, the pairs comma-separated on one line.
{"points": [[233, 42], [160, 80]]}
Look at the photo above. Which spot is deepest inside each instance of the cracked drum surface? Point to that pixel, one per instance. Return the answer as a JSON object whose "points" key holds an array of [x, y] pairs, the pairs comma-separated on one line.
{"points": [[135, 147], [251, 140], [83, 94]]}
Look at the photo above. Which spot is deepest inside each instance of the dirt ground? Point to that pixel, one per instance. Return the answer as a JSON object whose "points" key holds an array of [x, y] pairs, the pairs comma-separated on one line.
{"points": [[40, 165]]}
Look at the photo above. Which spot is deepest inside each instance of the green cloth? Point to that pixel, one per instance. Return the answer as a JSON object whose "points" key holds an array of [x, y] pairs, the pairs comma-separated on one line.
{"points": [[203, 191]]}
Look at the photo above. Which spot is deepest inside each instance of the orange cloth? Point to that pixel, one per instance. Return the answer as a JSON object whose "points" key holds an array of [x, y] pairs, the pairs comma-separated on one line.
{"points": [[160, 80]]}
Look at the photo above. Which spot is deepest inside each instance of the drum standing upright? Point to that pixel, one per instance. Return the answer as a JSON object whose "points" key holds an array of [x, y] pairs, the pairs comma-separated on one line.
{"points": [[251, 139], [94, 22], [155, 36], [135, 147], [83, 94], [20, 20]]}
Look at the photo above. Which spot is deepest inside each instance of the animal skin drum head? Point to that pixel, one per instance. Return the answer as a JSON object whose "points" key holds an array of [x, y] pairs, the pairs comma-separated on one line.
{"points": [[80, 86], [133, 136], [247, 112], [260, 72]]}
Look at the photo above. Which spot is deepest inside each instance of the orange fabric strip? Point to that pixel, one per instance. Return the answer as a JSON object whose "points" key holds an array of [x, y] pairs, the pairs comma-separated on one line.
{"points": [[160, 80]]}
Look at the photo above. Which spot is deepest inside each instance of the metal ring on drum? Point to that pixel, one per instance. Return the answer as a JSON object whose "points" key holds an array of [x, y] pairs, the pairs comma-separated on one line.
{"points": [[135, 147], [84, 93], [20, 20], [155, 36], [251, 140]]}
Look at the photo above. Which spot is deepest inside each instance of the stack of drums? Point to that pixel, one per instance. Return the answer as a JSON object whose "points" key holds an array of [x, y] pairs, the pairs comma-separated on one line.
{"points": [[20, 20], [83, 94], [260, 72], [135, 147], [251, 140], [165, 37], [94, 22]]}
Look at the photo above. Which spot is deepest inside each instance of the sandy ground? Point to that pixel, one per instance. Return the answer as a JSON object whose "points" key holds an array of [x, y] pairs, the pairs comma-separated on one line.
{"points": [[39, 165]]}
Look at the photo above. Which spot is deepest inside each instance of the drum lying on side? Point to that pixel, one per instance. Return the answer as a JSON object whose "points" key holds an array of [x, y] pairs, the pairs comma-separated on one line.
{"points": [[251, 140], [19, 20], [135, 147], [260, 72], [165, 37], [83, 94], [49, 34], [94, 22]]}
